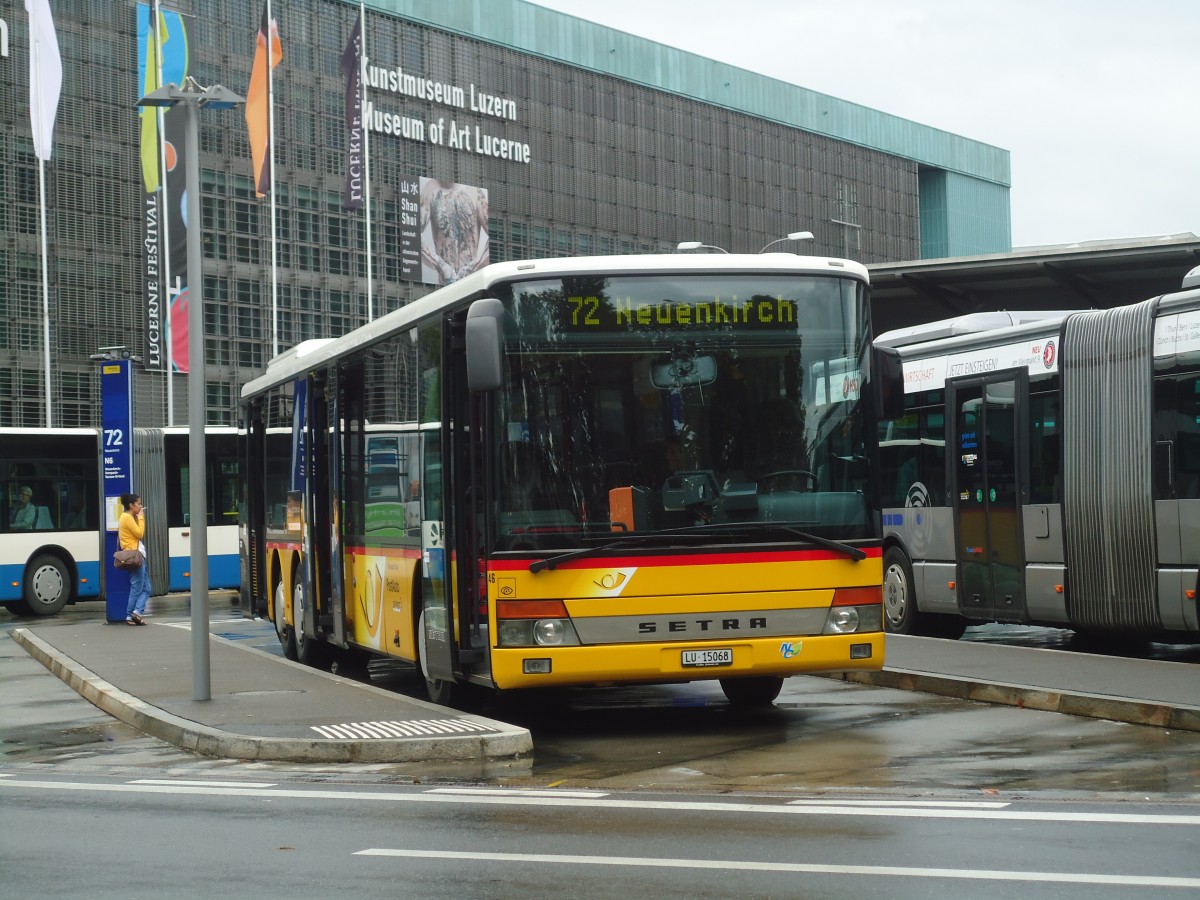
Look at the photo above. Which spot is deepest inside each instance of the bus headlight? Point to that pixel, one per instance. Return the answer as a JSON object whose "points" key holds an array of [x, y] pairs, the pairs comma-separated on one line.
{"points": [[536, 632], [534, 623], [855, 610], [549, 632], [514, 632], [842, 620]]}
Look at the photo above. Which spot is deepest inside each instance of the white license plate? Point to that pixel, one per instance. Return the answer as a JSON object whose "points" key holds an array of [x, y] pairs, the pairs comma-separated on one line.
{"points": [[722, 656]]}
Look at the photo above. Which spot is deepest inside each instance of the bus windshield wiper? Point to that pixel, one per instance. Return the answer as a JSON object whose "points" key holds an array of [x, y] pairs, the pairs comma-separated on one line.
{"points": [[550, 562], [829, 544], [790, 527], [855, 553]]}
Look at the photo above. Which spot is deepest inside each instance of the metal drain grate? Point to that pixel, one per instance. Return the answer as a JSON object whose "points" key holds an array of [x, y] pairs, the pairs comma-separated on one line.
{"points": [[407, 728]]}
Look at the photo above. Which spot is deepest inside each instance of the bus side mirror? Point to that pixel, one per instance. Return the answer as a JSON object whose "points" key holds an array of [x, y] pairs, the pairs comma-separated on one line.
{"points": [[485, 347], [887, 373]]}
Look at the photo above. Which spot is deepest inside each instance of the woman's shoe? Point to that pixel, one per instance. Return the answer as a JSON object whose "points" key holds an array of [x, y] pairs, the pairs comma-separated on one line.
{"points": [[135, 619]]}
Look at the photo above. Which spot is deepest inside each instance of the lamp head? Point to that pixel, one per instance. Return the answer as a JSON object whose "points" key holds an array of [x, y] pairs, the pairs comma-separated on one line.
{"points": [[220, 97], [166, 95], [698, 245], [215, 97]]}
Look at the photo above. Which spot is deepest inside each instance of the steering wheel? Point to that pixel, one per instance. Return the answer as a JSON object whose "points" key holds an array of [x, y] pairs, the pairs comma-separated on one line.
{"points": [[810, 477]]}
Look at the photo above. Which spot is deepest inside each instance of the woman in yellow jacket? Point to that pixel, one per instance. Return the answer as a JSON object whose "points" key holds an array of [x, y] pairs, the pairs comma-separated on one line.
{"points": [[130, 530]]}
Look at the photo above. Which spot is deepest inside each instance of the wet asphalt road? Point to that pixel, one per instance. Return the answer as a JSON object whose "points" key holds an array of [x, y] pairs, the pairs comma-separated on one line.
{"points": [[823, 735]]}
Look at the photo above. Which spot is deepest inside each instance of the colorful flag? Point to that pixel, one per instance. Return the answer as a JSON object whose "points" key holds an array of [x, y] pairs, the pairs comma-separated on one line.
{"points": [[155, 39], [352, 195], [258, 102], [45, 76]]}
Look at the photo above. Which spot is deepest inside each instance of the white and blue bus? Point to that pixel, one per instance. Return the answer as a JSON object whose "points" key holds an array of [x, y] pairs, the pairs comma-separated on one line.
{"points": [[51, 533], [53, 523], [160, 466]]}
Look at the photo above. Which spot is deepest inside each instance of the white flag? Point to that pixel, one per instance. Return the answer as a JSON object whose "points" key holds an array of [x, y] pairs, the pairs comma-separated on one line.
{"points": [[45, 76]]}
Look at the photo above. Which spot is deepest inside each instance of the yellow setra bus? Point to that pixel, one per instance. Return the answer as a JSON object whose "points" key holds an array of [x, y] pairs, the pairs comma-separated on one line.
{"points": [[580, 472]]}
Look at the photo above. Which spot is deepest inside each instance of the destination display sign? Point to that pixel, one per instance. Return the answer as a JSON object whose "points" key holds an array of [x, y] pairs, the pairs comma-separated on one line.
{"points": [[1177, 333], [629, 314]]}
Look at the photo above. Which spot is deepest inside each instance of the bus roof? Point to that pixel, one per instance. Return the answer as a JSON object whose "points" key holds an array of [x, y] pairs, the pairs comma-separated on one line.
{"points": [[310, 354], [972, 323], [40, 431]]}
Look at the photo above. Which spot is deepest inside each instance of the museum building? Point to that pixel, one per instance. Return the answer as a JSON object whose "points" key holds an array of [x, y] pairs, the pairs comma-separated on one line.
{"points": [[564, 136]]}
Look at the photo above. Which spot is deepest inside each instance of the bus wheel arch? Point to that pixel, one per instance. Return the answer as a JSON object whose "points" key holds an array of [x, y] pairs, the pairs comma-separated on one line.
{"points": [[48, 584], [900, 613], [440, 692], [454, 694]]}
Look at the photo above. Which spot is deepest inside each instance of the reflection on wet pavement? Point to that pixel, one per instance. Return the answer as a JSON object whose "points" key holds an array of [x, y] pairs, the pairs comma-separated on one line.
{"points": [[822, 735], [1065, 639]]}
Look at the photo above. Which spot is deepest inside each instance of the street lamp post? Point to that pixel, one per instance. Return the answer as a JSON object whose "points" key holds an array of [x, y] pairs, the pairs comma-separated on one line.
{"points": [[792, 236], [848, 228], [192, 97], [698, 245]]}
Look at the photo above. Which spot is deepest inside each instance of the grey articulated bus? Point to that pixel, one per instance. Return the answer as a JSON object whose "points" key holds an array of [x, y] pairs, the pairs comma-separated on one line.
{"points": [[1047, 471]]}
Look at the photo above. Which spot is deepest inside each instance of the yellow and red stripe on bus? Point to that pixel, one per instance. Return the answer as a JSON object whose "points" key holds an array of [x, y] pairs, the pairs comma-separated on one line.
{"points": [[653, 618]]}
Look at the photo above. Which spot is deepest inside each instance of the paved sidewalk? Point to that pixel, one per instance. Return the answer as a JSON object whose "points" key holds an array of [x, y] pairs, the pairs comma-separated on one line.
{"points": [[261, 706], [1144, 692], [267, 708]]}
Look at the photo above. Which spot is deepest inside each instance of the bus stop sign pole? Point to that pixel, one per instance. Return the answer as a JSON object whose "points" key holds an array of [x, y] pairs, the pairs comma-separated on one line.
{"points": [[116, 447]]}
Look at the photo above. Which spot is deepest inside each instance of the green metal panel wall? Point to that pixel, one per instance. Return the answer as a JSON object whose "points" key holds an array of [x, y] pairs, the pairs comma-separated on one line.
{"points": [[962, 216]]}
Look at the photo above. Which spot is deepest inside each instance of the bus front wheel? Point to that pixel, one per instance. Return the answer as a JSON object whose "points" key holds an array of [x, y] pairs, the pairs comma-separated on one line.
{"points": [[47, 586], [900, 615], [749, 693]]}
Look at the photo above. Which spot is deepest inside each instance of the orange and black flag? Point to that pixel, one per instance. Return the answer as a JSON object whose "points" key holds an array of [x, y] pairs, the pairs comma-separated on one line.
{"points": [[258, 102]]}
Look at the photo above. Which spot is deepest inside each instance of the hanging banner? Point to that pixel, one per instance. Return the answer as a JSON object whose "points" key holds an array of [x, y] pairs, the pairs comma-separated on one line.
{"points": [[453, 237], [352, 192], [165, 292]]}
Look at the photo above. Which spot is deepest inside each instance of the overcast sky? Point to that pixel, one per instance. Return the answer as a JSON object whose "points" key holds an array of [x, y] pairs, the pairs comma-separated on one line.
{"points": [[1098, 101]]}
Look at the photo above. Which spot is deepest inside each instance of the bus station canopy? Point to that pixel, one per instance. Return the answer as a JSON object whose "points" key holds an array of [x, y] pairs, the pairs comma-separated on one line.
{"points": [[1092, 275]]}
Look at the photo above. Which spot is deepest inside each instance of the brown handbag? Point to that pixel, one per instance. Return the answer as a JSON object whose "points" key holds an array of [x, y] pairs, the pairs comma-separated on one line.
{"points": [[128, 559]]}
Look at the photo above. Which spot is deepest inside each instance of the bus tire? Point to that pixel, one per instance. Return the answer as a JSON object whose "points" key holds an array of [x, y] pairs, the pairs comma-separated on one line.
{"points": [[900, 615], [310, 651], [751, 693], [945, 626], [286, 640], [47, 586]]}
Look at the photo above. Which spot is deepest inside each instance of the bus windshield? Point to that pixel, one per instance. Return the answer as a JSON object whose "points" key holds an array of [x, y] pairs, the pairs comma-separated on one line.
{"points": [[644, 405]]}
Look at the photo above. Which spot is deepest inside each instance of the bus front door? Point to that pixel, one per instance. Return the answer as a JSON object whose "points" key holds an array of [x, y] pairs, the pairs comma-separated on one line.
{"points": [[322, 544], [985, 424]]}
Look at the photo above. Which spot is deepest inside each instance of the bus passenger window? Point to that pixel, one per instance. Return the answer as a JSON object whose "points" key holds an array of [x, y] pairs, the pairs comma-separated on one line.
{"points": [[1187, 442], [899, 445], [1045, 480]]}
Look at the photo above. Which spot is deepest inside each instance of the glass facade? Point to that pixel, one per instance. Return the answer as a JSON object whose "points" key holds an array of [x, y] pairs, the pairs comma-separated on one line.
{"points": [[574, 162]]}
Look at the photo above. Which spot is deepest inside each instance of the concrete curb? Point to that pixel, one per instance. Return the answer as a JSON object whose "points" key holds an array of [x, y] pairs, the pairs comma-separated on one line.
{"points": [[1160, 715], [197, 738]]}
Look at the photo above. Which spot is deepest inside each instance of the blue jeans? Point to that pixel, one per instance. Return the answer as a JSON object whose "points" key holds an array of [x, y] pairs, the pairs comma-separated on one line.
{"points": [[139, 590]]}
